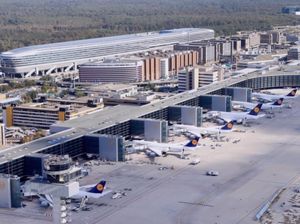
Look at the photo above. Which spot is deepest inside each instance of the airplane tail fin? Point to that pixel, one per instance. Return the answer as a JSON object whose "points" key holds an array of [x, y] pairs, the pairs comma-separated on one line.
{"points": [[278, 102], [193, 142], [98, 188], [292, 93], [228, 126], [256, 109]]}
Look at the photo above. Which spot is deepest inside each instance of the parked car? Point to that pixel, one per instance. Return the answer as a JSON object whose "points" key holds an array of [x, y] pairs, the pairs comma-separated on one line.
{"points": [[212, 173]]}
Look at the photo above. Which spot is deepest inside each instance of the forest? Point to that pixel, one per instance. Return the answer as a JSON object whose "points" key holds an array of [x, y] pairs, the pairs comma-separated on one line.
{"points": [[29, 22]]}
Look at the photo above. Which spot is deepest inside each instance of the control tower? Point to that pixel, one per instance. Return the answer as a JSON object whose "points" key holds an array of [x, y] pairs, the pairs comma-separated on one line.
{"points": [[57, 183]]}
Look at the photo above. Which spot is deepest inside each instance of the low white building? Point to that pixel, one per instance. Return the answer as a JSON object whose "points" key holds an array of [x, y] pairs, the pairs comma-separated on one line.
{"points": [[208, 77], [113, 90]]}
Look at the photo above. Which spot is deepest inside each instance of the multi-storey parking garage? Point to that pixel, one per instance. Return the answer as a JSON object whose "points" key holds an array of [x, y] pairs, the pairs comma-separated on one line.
{"points": [[65, 56], [116, 120]]}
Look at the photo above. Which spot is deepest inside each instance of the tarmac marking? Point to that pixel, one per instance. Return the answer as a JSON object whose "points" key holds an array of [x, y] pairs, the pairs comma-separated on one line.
{"points": [[193, 203]]}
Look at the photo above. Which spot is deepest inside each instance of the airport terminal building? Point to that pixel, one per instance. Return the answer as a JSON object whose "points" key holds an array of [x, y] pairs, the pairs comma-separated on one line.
{"points": [[103, 133], [66, 56]]}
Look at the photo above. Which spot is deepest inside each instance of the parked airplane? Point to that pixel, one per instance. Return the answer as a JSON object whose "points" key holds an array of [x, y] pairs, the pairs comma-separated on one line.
{"points": [[239, 117], [270, 97], [206, 131], [265, 106], [46, 200], [92, 191], [162, 148]]}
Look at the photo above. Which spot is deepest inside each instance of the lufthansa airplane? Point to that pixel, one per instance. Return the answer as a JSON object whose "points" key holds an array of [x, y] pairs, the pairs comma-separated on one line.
{"points": [[266, 106], [206, 131], [92, 191], [239, 117], [270, 97], [162, 148]]}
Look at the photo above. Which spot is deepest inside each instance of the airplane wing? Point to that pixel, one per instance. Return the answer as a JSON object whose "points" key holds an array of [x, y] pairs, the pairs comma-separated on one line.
{"points": [[195, 132], [225, 117], [265, 97], [156, 150], [156, 147], [245, 105]]}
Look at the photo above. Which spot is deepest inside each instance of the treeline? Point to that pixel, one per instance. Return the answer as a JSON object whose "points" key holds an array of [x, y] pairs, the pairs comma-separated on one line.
{"points": [[27, 22]]}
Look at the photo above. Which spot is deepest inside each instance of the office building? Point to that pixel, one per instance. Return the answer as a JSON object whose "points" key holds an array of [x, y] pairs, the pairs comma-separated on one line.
{"points": [[208, 77], [225, 47], [66, 56], [32, 116], [163, 64], [181, 59], [208, 51], [122, 71], [294, 53], [151, 69], [271, 37], [266, 38], [195, 77], [43, 115], [254, 39], [188, 79], [292, 37], [2, 135], [164, 68]]}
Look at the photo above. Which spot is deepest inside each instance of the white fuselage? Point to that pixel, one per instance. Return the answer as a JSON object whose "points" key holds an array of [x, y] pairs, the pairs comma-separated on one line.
{"points": [[200, 130], [236, 116], [158, 148], [247, 105], [270, 97], [83, 192]]}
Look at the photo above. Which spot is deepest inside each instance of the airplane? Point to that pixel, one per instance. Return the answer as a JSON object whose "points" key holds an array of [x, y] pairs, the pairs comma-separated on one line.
{"points": [[92, 191], [265, 106], [206, 131], [239, 117], [270, 97], [45, 200], [160, 149]]}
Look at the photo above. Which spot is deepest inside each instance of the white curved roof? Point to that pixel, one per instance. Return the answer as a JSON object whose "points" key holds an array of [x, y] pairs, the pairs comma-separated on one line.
{"points": [[97, 41]]}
